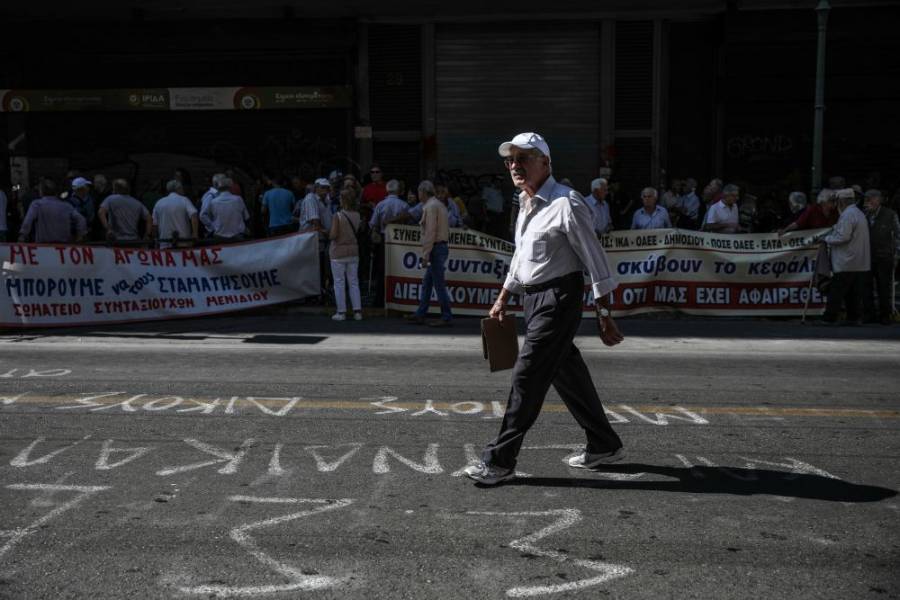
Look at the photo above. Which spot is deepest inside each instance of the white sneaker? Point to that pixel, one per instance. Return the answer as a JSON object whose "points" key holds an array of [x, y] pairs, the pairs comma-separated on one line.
{"points": [[357, 316], [589, 461], [338, 317], [488, 474]]}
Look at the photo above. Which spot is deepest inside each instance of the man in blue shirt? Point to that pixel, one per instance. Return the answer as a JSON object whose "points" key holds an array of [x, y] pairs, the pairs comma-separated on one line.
{"points": [[650, 216], [392, 209], [278, 206]]}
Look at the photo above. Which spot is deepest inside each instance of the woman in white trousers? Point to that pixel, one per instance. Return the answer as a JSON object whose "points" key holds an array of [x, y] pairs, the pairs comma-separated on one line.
{"points": [[344, 254]]}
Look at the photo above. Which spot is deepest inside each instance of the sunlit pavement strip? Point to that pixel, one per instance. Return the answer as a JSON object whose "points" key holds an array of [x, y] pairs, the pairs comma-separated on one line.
{"points": [[454, 344], [387, 405]]}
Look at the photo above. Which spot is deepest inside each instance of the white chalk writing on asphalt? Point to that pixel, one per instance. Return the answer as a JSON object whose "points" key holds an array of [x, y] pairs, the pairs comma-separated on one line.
{"points": [[297, 580], [290, 460], [565, 518], [82, 493]]}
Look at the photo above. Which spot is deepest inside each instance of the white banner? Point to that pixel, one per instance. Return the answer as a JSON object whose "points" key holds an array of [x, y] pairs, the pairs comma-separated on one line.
{"points": [[61, 284], [665, 269]]}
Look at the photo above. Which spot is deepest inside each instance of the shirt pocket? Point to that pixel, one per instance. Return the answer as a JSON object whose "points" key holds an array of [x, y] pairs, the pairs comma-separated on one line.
{"points": [[538, 246]]}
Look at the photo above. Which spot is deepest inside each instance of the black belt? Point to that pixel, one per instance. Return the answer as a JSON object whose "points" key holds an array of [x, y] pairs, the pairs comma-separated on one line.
{"points": [[534, 288]]}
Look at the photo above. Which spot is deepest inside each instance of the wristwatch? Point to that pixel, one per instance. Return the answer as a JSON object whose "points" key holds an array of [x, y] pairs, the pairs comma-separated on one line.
{"points": [[603, 312]]}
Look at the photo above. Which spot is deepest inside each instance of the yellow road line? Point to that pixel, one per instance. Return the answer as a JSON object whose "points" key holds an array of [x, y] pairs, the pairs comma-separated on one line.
{"points": [[462, 406]]}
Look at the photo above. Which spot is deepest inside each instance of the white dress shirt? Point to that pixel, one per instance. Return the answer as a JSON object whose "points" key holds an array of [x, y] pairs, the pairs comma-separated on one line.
{"points": [[173, 213], [658, 219], [849, 242], [722, 213], [554, 238]]}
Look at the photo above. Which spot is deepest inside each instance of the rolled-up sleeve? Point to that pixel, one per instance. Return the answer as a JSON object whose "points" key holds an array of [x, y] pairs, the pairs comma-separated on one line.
{"points": [[512, 285], [586, 246]]}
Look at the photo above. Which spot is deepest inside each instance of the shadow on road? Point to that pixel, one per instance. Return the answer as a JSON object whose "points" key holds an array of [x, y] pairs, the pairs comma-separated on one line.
{"points": [[722, 480]]}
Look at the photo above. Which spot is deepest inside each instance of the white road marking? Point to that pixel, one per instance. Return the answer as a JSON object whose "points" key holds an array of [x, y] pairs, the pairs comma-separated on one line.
{"points": [[232, 460], [106, 450], [567, 517], [83, 493], [430, 464], [241, 535], [322, 465], [21, 459]]}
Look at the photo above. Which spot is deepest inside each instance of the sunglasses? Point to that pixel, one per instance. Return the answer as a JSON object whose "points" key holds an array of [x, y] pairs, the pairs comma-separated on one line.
{"points": [[375, 171], [519, 159]]}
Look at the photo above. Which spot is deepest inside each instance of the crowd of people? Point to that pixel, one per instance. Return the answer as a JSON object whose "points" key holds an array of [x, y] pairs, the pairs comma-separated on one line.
{"points": [[342, 209]]}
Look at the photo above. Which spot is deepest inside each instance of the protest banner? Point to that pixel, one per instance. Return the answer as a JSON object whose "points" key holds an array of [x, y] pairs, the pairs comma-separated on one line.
{"points": [[63, 285], [693, 272]]}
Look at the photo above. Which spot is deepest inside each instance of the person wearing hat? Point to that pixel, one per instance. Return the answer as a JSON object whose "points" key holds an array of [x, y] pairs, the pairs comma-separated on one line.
{"points": [[848, 241], [555, 244], [82, 200], [315, 216]]}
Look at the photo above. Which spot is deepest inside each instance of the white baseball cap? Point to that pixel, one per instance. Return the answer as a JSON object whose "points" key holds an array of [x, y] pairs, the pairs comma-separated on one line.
{"points": [[526, 141], [80, 182], [322, 182]]}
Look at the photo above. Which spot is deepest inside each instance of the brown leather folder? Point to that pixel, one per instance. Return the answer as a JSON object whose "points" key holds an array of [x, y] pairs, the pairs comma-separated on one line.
{"points": [[500, 342]]}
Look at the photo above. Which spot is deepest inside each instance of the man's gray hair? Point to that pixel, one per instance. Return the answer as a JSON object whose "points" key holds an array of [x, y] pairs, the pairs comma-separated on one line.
{"points": [[873, 193], [426, 187], [174, 187], [218, 180], [224, 184], [797, 200], [392, 186], [598, 183], [731, 189], [651, 191]]}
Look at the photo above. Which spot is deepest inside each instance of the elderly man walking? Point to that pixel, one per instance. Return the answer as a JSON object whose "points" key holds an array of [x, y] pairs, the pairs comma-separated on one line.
{"points": [[884, 237], [555, 243], [850, 259], [435, 250]]}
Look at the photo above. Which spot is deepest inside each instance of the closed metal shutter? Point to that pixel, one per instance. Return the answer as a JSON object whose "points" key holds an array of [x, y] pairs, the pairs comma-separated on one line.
{"points": [[395, 77], [634, 75], [494, 81]]}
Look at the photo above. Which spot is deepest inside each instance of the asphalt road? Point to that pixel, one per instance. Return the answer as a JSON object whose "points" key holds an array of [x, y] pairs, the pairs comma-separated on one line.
{"points": [[288, 456]]}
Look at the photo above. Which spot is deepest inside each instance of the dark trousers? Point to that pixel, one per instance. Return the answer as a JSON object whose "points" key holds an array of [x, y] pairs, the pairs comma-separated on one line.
{"points": [[879, 279], [549, 357], [846, 288]]}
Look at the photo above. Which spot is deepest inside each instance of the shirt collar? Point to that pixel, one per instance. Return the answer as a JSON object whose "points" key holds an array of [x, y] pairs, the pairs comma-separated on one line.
{"points": [[544, 193]]}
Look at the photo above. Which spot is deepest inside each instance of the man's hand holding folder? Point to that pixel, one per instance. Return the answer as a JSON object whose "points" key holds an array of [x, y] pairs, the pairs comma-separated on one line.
{"points": [[500, 342]]}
